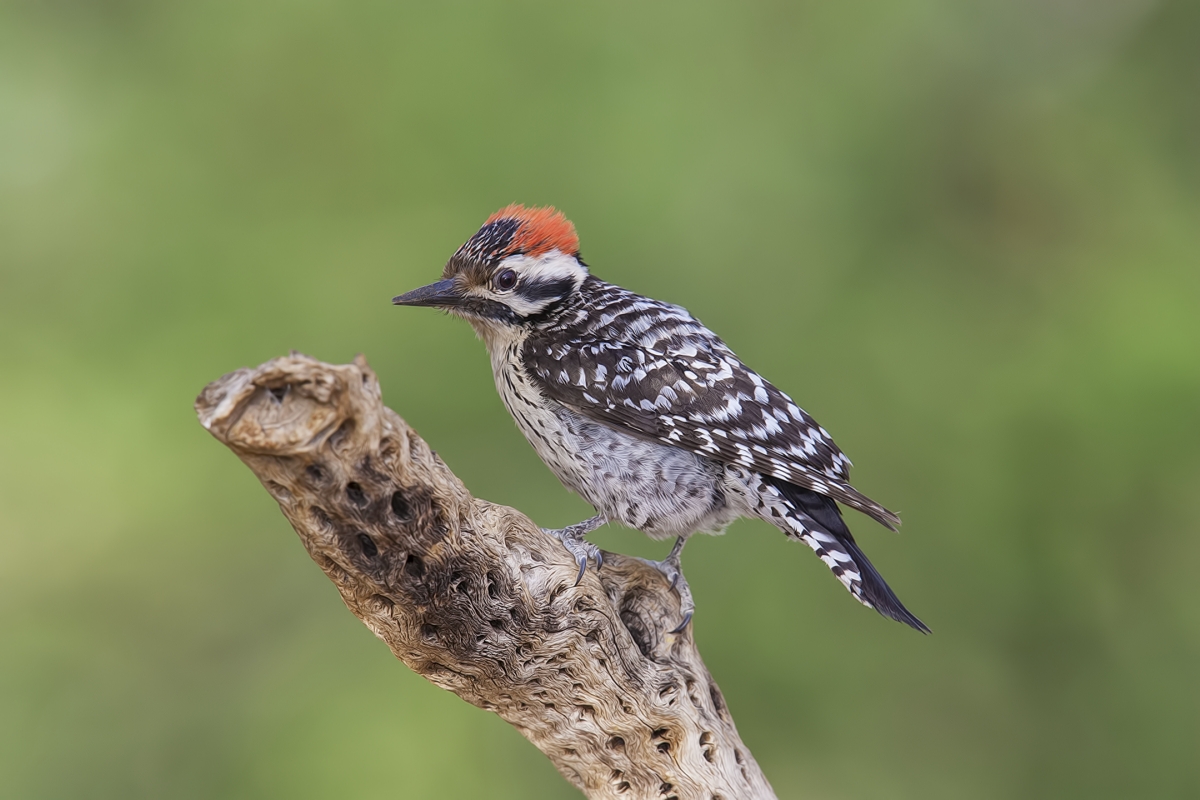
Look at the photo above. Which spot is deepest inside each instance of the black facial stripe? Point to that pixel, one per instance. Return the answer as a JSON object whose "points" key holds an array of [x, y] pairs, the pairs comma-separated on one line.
{"points": [[488, 309], [545, 289], [548, 312]]}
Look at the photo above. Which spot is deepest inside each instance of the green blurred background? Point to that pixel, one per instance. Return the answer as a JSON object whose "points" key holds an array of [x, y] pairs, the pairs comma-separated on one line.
{"points": [[964, 235]]}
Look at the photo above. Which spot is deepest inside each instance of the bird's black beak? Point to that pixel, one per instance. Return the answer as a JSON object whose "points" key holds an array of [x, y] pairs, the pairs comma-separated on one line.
{"points": [[443, 294]]}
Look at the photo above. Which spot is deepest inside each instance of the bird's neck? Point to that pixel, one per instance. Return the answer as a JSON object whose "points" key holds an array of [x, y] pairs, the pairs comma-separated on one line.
{"points": [[497, 337]]}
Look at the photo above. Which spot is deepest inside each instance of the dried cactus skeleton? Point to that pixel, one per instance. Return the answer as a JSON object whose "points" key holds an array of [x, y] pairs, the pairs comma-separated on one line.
{"points": [[478, 599]]}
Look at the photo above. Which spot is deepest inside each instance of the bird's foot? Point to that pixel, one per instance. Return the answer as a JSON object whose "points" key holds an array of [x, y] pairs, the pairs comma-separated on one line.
{"points": [[671, 568], [579, 548]]}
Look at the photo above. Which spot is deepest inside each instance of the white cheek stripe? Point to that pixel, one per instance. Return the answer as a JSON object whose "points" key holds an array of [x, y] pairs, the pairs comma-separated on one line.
{"points": [[553, 266]]}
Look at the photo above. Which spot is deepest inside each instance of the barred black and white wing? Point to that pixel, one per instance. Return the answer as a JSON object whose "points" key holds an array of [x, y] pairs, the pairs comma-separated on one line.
{"points": [[680, 385]]}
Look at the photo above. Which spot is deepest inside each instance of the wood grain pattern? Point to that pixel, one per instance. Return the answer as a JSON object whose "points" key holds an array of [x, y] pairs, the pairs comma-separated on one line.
{"points": [[478, 599]]}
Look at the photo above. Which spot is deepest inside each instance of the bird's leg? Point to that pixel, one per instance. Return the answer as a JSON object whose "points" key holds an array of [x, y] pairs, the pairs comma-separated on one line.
{"points": [[672, 569], [572, 539]]}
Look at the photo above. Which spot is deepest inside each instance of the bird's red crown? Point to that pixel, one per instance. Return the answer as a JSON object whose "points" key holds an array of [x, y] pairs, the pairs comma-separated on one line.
{"points": [[539, 230]]}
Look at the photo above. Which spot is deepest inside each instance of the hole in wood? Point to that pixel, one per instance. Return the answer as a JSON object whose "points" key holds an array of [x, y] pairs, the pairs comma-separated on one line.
{"points": [[356, 494], [368, 546], [718, 702], [737, 756], [400, 506], [636, 627], [415, 567], [279, 392]]}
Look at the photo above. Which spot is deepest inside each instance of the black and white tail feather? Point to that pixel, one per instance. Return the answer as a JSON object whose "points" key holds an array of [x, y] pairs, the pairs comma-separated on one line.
{"points": [[816, 520]]}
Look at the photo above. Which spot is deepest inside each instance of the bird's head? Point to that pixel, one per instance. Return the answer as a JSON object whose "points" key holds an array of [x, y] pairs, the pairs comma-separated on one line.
{"points": [[520, 264]]}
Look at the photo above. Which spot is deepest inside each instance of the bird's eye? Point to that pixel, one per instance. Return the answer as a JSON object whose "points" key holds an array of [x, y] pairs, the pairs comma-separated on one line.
{"points": [[506, 280]]}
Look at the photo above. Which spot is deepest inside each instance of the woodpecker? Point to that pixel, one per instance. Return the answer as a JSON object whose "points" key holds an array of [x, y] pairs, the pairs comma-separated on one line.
{"points": [[643, 411]]}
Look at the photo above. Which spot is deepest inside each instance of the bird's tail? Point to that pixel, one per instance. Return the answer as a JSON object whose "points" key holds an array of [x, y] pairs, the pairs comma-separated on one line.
{"points": [[816, 520]]}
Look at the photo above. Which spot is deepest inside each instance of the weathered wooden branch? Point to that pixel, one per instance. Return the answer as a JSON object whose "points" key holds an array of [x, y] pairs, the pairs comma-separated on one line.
{"points": [[477, 598]]}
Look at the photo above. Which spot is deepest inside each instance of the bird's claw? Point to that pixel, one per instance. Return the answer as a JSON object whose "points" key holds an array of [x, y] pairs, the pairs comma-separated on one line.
{"points": [[582, 551], [579, 548], [673, 572], [686, 619]]}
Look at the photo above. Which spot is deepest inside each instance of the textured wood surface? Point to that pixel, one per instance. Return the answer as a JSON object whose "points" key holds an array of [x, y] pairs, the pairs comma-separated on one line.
{"points": [[477, 598]]}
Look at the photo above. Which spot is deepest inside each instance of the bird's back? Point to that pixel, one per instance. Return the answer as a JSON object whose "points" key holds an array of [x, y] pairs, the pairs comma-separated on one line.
{"points": [[653, 370]]}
